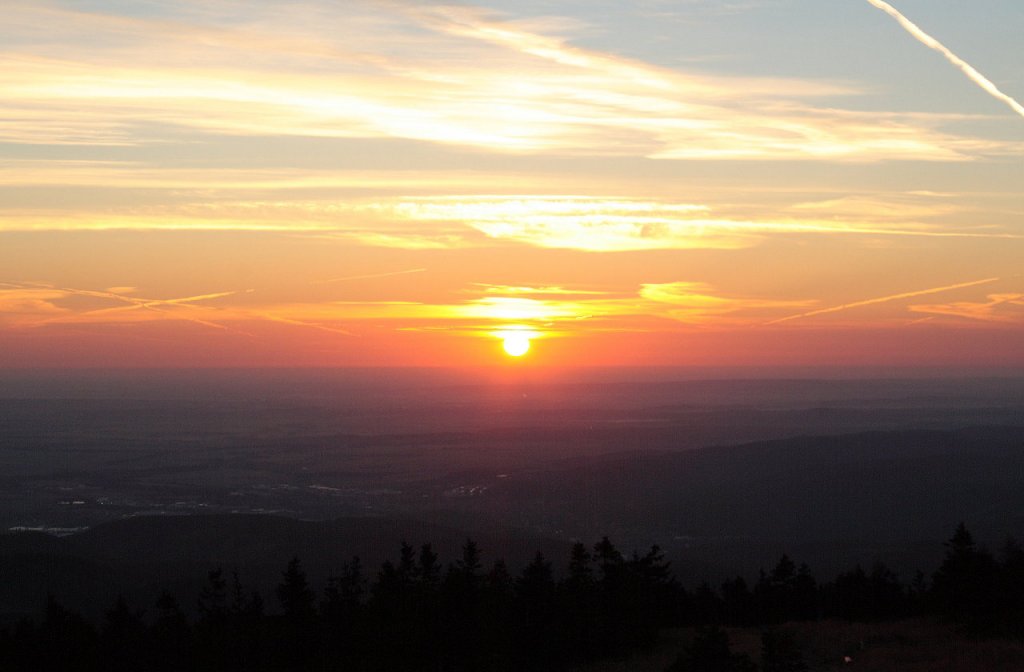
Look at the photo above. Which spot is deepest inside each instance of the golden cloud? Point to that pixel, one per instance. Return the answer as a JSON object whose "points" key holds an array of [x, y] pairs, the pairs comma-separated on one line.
{"points": [[695, 302], [586, 223]]}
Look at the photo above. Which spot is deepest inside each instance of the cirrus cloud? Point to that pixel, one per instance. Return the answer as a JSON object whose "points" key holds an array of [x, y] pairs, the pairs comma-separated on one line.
{"points": [[453, 75]]}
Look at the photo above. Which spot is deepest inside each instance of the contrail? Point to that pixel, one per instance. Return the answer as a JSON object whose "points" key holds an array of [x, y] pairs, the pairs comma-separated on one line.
{"points": [[135, 303], [883, 299], [929, 41], [205, 323], [300, 323]]}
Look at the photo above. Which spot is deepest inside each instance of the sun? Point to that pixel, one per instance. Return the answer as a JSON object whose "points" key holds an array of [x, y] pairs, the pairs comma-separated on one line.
{"points": [[516, 345]]}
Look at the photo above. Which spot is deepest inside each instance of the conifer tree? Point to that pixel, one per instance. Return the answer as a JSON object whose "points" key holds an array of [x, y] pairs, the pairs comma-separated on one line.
{"points": [[581, 574], [294, 593], [964, 585], [429, 570], [213, 598], [124, 638]]}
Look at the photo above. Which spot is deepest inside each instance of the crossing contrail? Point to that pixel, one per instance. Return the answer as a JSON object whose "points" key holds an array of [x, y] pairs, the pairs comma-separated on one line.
{"points": [[929, 41], [133, 303]]}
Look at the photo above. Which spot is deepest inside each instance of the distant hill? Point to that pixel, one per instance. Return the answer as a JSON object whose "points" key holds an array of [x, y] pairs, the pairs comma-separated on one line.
{"points": [[830, 501], [835, 498]]}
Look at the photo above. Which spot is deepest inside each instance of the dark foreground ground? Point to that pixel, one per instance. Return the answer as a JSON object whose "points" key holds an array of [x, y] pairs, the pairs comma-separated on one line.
{"points": [[903, 646]]}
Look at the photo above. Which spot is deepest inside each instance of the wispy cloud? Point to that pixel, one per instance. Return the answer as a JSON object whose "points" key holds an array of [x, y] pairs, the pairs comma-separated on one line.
{"points": [[618, 225], [883, 299], [479, 309], [370, 276], [576, 222], [965, 67], [139, 175], [999, 308], [872, 208], [19, 304], [572, 221], [521, 290], [698, 302], [558, 311], [452, 75]]}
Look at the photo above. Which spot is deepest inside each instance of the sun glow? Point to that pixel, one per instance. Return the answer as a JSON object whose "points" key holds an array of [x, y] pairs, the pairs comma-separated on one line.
{"points": [[516, 344]]}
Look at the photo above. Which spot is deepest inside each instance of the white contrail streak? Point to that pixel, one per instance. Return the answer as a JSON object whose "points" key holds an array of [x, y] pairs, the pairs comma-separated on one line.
{"points": [[883, 299], [929, 41], [134, 303], [300, 323]]}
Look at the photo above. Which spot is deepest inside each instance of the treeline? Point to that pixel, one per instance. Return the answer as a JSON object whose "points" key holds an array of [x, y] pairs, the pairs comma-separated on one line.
{"points": [[971, 587], [417, 614]]}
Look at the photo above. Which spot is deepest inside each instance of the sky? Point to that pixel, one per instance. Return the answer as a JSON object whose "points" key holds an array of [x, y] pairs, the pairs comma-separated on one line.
{"points": [[771, 183]]}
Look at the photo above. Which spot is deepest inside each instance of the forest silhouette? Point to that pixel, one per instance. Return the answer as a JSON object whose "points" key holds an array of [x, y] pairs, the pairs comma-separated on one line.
{"points": [[416, 614]]}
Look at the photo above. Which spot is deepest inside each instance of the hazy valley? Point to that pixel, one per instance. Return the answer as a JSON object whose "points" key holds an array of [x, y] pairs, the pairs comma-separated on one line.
{"points": [[724, 474]]}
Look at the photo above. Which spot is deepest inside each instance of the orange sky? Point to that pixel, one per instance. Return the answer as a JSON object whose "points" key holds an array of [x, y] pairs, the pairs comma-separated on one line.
{"points": [[388, 184]]}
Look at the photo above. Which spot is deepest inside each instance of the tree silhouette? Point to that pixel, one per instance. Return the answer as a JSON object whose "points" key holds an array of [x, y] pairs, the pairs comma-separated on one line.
{"points": [[964, 585], [610, 563], [1011, 587], [467, 568], [737, 603], [499, 581], [536, 639], [124, 638], [412, 619], [295, 636], [579, 614], [213, 598], [787, 593], [294, 593], [407, 571], [581, 573], [803, 601], [171, 635], [657, 590], [344, 593], [707, 605], [63, 641], [342, 610], [429, 570]]}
